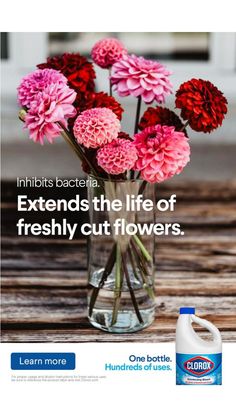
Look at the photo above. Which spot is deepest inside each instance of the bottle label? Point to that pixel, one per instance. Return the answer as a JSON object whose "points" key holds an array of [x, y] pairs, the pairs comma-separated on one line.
{"points": [[199, 369]]}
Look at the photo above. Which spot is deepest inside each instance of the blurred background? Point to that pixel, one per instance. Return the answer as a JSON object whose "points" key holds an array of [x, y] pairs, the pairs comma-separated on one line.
{"points": [[188, 54]]}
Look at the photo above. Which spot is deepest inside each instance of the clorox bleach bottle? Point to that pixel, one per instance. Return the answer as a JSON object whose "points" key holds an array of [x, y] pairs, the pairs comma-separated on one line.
{"points": [[197, 361]]}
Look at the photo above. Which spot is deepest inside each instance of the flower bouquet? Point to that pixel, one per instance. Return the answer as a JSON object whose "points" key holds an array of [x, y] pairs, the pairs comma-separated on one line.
{"points": [[59, 98]]}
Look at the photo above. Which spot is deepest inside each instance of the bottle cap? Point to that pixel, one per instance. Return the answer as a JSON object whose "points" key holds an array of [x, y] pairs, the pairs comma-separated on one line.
{"points": [[187, 310]]}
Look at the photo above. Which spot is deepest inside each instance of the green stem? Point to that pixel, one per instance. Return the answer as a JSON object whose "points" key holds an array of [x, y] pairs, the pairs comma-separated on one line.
{"points": [[118, 286], [185, 126], [76, 147], [142, 187], [142, 248], [132, 294], [150, 291], [132, 261], [143, 273], [110, 86], [141, 262], [106, 272], [137, 114]]}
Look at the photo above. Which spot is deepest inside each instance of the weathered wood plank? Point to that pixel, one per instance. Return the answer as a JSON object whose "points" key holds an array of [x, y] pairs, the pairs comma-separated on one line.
{"points": [[212, 252], [70, 306], [161, 323], [211, 236], [75, 336], [226, 247], [166, 283], [168, 262]]}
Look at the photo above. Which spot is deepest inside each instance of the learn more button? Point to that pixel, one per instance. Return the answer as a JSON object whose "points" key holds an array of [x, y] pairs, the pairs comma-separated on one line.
{"points": [[42, 361]]}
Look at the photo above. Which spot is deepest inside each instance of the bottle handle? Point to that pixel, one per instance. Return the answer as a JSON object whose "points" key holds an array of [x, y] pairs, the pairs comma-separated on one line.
{"points": [[209, 326]]}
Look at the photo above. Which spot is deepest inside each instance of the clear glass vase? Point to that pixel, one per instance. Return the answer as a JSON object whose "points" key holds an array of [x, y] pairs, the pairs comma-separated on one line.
{"points": [[120, 264]]}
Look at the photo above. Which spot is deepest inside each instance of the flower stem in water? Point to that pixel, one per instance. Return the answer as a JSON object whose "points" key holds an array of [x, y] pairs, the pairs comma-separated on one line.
{"points": [[118, 286], [132, 294], [106, 272], [142, 248]]}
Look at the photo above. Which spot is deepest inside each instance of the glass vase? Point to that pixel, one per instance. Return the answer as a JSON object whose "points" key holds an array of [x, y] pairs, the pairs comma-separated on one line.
{"points": [[120, 256]]}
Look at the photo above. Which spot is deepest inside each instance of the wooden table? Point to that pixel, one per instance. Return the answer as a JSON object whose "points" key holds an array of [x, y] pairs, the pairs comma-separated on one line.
{"points": [[44, 280]]}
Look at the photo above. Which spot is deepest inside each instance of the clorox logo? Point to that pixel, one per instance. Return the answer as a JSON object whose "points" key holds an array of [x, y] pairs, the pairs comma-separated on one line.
{"points": [[198, 365]]}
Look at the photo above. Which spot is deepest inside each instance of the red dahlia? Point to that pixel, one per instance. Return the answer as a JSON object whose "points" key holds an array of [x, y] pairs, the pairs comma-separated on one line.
{"points": [[102, 100], [162, 116], [124, 135], [76, 68], [202, 104], [95, 100]]}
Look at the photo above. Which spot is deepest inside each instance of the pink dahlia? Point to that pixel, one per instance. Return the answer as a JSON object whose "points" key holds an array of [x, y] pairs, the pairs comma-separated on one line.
{"points": [[96, 127], [137, 76], [162, 152], [52, 105], [118, 156], [36, 82], [107, 51]]}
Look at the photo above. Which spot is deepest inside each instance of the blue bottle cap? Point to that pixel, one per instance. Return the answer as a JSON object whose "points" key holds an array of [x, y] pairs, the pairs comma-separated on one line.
{"points": [[187, 310]]}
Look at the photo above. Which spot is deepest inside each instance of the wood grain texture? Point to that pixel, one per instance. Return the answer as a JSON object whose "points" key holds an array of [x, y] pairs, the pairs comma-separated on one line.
{"points": [[44, 281]]}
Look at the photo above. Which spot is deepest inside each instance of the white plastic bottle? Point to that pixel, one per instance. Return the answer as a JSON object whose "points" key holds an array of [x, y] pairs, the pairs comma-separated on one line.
{"points": [[197, 361]]}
